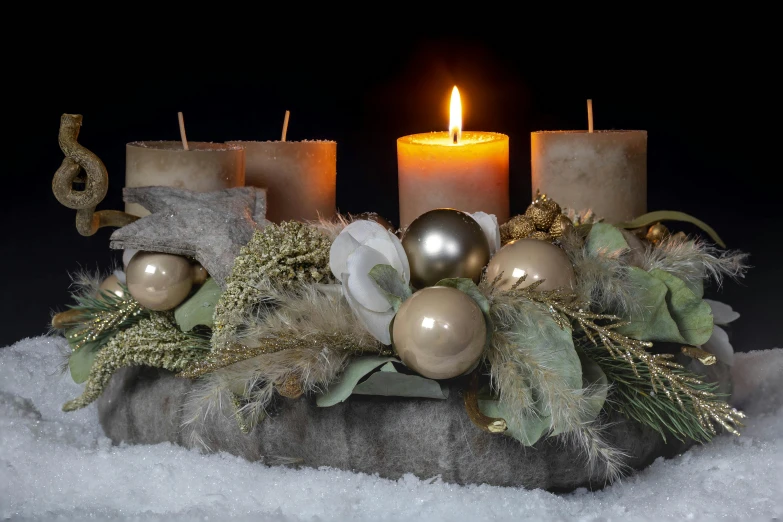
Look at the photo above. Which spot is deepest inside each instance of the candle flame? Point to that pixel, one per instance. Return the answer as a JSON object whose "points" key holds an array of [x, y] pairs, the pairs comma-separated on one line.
{"points": [[455, 116]]}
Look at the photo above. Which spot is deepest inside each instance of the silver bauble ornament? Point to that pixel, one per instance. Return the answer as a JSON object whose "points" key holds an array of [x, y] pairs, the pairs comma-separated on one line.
{"points": [[535, 259], [112, 285], [444, 243], [439, 332], [159, 281]]}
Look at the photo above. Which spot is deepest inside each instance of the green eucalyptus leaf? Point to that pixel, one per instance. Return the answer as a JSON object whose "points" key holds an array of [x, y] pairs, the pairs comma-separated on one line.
{"points": [[467, 286], [692, 314], [604, 238], [390, 383], [389, 281], [672, 215], [200, 308], [668, 310], [80, 362], [351, 376], [594, 380], [527, 430]]}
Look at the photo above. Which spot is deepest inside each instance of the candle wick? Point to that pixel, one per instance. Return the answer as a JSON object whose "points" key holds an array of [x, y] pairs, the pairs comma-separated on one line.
{"points": [[456, 138], [589, 115], [285, 125], [182, 134]]}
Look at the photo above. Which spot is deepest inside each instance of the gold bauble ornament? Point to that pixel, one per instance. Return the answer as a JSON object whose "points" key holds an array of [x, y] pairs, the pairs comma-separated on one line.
{"points": [[657, 233], [518, 227], [112, 285], [159, 281], [445, 243], [543, 212], [439, 332], [199, 273], [534, 259]]}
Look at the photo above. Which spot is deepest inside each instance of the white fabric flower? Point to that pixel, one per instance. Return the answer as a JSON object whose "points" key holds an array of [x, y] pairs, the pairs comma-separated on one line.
{"points": [[360, 246], [489, 224], [718, 344]]}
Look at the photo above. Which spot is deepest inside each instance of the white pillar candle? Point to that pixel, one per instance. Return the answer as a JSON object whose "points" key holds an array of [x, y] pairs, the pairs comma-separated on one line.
{"points": [[605, 171], [204, 167]]}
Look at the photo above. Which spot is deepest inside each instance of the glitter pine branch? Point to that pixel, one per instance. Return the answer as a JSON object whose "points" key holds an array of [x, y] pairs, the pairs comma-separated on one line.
{"points": [[94, 319], [154, 341], [663, 375]]}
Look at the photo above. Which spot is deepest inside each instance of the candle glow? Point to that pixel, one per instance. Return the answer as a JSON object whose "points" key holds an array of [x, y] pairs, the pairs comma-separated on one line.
{"points": [[455, 116], [453, 169]]}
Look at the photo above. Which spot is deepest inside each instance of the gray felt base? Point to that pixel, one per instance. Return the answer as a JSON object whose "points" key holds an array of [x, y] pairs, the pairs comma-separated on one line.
{"points": [[390, 437]]}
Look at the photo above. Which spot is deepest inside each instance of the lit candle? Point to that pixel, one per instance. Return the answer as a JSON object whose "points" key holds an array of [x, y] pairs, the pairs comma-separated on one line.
{"points": [[197, 166], [467, 171], [605, 171], [300, 176]]}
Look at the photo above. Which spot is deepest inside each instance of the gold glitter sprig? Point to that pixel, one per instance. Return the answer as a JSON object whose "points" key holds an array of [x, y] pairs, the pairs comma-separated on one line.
{"points": [[290, 253], [665, 375], [154, 341], [94, 319]]}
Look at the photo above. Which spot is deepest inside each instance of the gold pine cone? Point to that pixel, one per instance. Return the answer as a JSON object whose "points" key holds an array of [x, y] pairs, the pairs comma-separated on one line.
{"points": [[543, 212], [539, 234], [290, 387], [561, 226], [657, 233], [518, 227]]}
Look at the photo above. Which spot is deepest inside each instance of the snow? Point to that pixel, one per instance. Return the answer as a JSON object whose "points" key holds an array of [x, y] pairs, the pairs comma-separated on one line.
{"points": [[60, 466]]}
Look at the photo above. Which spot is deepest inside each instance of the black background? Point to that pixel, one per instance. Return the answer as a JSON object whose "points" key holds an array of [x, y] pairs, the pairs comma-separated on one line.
{"points": [[700, 98]]}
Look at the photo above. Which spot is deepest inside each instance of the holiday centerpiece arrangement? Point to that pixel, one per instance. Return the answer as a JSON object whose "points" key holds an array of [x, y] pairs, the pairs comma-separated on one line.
{"points": [[552, 326]]}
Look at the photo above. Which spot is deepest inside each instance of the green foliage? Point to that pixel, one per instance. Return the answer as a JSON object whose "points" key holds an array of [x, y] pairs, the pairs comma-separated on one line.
{"points": [[668, 310], [672, 215], [378, 376], [391, 284], [632, 396], [604, 238], [199, 310]]}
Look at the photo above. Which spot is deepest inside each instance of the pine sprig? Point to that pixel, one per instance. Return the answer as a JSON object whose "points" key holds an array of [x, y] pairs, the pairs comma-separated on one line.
{"points": [[633, 396], [95, 319], [684, 391]]}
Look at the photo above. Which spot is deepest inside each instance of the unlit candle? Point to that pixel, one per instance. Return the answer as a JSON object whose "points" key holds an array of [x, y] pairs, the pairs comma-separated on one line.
{"points": [[605, 171], [300, 177], [203, 168]]}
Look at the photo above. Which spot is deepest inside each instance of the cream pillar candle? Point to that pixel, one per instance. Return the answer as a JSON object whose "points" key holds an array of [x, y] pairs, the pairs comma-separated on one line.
{"points": [[203, 167], [605, 171], [300, 177], [467, 171]]}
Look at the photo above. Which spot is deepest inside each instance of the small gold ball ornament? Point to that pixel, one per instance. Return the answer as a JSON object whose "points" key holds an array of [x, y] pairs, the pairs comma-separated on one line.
{"points": [[534, 259], [439, 332], [543, 212], [159, 281], [445, 243], [657, 233], [200, 274], [518, 227], [112, 285]]}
